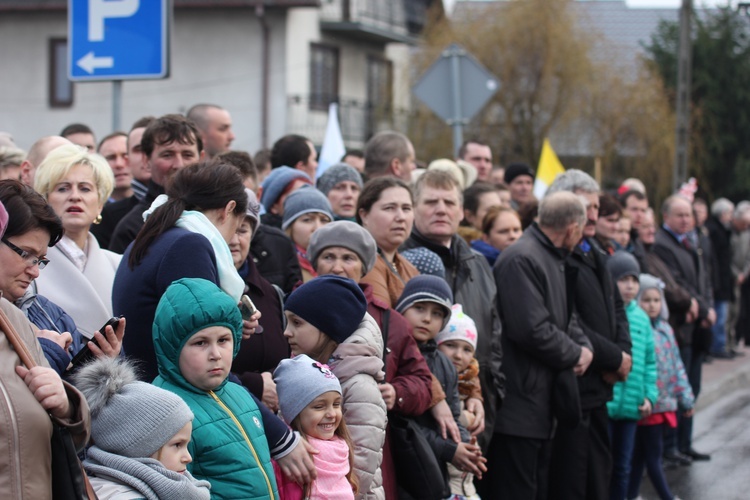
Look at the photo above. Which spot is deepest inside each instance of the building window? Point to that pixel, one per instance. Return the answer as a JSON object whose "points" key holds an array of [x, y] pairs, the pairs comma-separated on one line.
{"points": [[324, 75], [379, 81], [60, 87]]}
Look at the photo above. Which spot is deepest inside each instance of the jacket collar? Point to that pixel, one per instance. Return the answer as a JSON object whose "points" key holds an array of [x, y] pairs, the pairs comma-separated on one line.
{"points": [[536, 233]]}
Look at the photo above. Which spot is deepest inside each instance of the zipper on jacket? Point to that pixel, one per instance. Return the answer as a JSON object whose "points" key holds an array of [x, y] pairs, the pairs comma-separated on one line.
{"points": [[14, 437], [247, 440]]}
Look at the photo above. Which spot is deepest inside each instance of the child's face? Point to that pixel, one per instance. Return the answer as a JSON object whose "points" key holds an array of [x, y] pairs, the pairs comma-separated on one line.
{"points": [[322, 417], [651, 302], [426, 319], [175, 455], [303, 337], [623, 232], [629, 287], [459, 352], [207, 356]]}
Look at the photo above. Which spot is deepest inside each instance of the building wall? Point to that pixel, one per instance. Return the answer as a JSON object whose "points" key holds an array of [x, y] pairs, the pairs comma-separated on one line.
{"points": [[215, 58]]}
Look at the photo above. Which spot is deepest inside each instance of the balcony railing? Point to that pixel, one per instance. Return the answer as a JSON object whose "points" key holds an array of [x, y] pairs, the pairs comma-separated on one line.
{"points": [[377, 20], [359, 120]]}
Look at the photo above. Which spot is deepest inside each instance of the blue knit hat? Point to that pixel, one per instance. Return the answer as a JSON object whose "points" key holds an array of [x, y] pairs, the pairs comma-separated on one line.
{"points": [[305, 200], [426, 261], [276, 183], [299, 381], [425, 288], [332, 304]]}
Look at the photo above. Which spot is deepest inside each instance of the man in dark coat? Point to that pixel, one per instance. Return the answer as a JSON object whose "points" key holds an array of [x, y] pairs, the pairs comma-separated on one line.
{"points": [[720, 232], [581, 457], [438, 210], [169, 144], [542, 343], [674, 248]]}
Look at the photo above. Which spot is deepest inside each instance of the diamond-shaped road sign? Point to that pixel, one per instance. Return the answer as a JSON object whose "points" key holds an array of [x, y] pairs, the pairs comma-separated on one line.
{"points": [[456, 87]]}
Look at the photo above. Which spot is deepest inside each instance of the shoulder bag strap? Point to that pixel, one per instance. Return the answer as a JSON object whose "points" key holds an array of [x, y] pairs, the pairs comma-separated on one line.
{"points": [[386, 318], [15, 340]]}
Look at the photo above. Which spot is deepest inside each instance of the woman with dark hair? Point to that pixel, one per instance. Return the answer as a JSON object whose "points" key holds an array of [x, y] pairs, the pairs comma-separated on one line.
{"points": [[33, 398], [501, 227], [386, 209], [33, 226], [610, 212], [186, 235]]}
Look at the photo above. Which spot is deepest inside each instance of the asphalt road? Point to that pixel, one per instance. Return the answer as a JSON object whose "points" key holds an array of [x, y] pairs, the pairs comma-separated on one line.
{"points": [[723, 431]]}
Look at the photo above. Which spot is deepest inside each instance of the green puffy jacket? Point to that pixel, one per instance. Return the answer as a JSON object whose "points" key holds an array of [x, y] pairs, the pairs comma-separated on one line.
{"points": [[228, 446], [641, 383]]}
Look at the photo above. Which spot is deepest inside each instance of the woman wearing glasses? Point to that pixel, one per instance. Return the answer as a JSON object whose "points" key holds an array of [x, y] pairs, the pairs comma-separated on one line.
{"points": [[32, 228], [77, 184]]}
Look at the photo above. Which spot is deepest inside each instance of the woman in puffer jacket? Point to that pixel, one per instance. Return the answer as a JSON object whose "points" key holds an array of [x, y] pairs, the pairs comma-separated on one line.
{"points": [[327, 320]]}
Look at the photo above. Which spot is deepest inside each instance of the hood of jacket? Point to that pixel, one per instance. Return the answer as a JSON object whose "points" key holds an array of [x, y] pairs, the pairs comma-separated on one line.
{"points": [[361, 353], [647, 282], [188, 306]]}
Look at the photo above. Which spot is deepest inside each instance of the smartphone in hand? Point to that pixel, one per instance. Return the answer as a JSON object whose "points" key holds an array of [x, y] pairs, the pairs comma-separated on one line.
{"points": [[85, 355]]}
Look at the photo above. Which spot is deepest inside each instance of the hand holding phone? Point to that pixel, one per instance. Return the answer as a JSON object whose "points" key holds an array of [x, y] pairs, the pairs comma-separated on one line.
{"points": [[85, 355]]}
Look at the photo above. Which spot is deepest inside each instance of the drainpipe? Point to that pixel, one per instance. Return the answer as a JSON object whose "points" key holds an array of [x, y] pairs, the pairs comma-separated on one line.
{"points": [[260, 13]]}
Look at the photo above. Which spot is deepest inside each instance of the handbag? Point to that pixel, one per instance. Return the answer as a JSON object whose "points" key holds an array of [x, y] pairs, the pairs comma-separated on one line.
{"points": [[418, 472], [69, 480]]}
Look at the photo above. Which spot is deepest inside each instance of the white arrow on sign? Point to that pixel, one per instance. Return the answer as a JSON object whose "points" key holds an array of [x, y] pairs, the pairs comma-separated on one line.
{"points": [[90, 62]]}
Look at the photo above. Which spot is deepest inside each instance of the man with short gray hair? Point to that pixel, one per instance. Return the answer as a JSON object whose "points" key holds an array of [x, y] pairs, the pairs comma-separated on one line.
{"points": [[389, 153], [542, 343], [581, 462]]}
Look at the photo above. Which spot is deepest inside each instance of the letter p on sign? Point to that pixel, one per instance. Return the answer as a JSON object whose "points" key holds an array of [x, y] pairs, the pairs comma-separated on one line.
{"points": [[99, 10]]}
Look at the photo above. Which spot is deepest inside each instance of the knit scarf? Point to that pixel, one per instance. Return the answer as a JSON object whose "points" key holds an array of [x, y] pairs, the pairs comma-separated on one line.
{"points": [[196, 222], [332, 464], [146, 475]]}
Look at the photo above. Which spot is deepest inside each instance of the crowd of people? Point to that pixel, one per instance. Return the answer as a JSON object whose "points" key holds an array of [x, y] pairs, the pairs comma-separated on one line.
{"points": [[216, 324]]}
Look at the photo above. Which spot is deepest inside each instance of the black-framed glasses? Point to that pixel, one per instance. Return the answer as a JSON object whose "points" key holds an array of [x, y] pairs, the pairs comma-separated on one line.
{"points": [[31, 260]]}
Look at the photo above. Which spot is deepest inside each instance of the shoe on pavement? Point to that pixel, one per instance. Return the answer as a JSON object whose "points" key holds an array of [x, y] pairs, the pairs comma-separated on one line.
{"points": [[737, 353], [678, 458], [697, 456], [722, 355]]}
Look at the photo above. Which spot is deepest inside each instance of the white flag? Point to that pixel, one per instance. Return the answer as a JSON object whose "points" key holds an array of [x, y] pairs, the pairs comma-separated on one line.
{"points": [[333, 143]]}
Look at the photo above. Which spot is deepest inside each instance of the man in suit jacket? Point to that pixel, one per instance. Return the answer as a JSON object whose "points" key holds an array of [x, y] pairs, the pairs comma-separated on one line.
{"points": [[674, 247]]}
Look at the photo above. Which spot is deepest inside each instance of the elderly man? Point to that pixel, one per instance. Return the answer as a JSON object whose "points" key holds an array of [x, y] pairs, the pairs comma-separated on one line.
{"points": [[437, 212], [542, 343], [673, 246], [38, 152], [581, 457], [389, 153]]}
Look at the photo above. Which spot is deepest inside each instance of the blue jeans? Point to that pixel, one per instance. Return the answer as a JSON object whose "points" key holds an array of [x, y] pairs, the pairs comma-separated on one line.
{"points": [[647, 454], [622, 434], [719, 343]]}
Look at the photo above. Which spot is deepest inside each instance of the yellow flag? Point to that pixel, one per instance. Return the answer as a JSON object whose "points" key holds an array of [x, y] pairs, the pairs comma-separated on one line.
{"points": [[549, 168]]}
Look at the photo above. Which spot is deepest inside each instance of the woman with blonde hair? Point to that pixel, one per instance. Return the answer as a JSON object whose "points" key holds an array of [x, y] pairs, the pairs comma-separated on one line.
{"points": [[77, 184]]}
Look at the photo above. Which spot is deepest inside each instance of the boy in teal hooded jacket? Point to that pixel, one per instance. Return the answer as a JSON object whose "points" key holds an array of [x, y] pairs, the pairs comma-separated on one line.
{"points": [[197, 332]]}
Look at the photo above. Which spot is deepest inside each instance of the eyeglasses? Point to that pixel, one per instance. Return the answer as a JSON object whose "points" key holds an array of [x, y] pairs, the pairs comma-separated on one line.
{"points": [[31, 260]]}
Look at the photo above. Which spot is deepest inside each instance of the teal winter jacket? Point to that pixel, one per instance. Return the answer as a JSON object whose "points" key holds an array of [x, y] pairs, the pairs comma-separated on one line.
{"points": [[641, 383], [228, 446]]}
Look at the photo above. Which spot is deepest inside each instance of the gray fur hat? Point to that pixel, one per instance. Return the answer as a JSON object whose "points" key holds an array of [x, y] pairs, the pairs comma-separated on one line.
{"points": [[338, 173], [129, 418], [345, 234]]}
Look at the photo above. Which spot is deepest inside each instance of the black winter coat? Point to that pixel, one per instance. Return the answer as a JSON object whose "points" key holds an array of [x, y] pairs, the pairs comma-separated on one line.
{"points": [[276, 258]]}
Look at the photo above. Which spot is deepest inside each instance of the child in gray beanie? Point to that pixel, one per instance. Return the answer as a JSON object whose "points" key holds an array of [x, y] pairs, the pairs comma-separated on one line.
{"points": [[141, 435], [310, 402]]}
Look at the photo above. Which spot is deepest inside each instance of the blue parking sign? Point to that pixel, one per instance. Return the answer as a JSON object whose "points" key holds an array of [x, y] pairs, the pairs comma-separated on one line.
{"points": [[118, 39]]}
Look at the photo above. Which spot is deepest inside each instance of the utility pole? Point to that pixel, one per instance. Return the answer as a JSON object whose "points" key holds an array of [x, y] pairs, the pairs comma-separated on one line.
{"points": [[684, 71]]}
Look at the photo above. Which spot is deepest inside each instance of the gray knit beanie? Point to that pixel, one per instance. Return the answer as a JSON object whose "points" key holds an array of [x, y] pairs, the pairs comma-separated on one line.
{"points": [[299, 381], [345, 234], [129, 418], [274, 185], [305, 200], [425, 288], [621, 264], [338, 173]]}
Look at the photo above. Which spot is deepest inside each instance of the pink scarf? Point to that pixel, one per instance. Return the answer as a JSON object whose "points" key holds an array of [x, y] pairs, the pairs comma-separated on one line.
{"points": [[332, 464]]}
